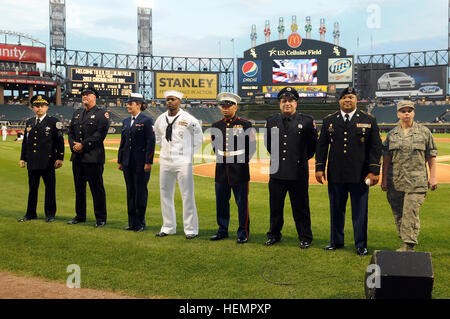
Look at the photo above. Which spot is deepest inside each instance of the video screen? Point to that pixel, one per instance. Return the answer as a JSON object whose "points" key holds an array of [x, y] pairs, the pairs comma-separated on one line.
{"points": [[294, 71]]}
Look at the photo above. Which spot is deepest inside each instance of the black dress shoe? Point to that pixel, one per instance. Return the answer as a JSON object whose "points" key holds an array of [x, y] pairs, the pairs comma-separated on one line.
{"points": [[333, 247], [128, 228], [242, 240], [305, 244], [362, 251], [139, 230], [24, 219], [50, 219], [75, 221], [191, 236], [271, 241], [161, 234], [100, 224], [218, 237]]}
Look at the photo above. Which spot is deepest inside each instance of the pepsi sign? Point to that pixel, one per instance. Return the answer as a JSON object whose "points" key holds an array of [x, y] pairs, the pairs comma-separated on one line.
{"points": [[250, 71]]}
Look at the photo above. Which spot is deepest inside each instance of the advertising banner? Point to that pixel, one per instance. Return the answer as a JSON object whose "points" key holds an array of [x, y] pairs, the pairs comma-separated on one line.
{"points": [[409, 82], [194, 86], [340, 70], [250, 72], [22, 53]]}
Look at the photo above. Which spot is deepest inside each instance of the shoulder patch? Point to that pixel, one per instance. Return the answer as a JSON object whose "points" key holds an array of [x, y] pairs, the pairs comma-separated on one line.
{"points": [[59, 125]]}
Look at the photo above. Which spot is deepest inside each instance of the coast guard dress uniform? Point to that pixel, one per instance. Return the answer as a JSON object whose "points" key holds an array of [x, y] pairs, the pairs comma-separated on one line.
{"points": [[137, 147], [89, 127], [42, 146], [234, 143], [291, 142], [179, 137], [353, 148]]}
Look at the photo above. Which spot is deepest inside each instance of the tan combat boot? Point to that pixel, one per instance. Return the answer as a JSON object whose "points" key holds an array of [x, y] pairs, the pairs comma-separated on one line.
{"points": [[407, 247]]}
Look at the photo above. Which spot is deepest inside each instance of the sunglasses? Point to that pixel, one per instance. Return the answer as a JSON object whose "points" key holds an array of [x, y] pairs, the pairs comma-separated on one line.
{"points": [[406, 111]]}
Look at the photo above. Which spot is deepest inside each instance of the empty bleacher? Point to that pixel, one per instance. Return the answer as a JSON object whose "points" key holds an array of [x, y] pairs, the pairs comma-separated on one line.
{"points": [[424, 114]]}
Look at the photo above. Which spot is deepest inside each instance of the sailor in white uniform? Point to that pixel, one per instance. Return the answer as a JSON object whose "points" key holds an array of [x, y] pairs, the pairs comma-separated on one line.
{"points": [[179, 135], [4, 132]]}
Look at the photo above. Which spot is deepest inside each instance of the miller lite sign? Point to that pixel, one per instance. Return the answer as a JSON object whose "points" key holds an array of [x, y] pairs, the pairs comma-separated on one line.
{"points": [[340, 70]]}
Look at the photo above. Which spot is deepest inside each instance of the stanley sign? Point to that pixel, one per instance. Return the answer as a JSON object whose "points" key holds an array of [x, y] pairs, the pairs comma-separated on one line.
{"points": [[195, 86]]}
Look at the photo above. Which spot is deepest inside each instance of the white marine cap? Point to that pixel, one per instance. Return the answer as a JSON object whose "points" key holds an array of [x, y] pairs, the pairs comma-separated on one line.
{"points": [[173, 93], [224, 97]]}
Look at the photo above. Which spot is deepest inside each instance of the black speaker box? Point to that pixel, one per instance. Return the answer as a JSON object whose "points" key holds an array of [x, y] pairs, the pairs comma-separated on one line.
{"points": [[402, 275]]}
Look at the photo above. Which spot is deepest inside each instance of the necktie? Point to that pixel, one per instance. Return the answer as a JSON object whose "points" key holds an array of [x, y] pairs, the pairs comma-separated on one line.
{"points": [[132, 120], [347, 119], [38, 121], [169, 129]]}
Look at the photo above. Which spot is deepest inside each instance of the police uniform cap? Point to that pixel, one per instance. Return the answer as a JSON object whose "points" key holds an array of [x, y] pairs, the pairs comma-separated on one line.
{"points": [[90, 90], [135, 97], [405, 103], [227, 98], [174, 93], [288, 92], [39, 99], [347, 90]]}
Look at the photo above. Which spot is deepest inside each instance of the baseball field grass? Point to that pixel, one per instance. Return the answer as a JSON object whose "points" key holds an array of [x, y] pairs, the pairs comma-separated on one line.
{"points": [[142, 265]]}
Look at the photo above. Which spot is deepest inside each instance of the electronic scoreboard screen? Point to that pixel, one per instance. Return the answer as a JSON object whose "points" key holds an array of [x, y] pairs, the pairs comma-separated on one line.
{"points": [[294, 71], [111, 83]]}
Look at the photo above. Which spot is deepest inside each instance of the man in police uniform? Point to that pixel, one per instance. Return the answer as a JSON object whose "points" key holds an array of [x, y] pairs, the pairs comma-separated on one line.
{"points": [[135, 159], [179, 134], [291, 139], [43, 151], [234, 142], [87, 130], [354, 143]]}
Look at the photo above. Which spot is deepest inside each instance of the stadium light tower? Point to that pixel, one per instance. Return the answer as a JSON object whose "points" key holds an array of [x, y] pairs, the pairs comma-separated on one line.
{"points": [[145, 43]]}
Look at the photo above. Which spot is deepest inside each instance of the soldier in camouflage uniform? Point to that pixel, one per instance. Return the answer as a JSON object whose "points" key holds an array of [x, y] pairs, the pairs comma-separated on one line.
{"points": [[406, 150]]}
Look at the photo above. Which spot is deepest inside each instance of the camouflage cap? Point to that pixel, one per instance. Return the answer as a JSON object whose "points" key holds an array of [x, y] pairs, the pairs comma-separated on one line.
{"points": [[405, 103]]}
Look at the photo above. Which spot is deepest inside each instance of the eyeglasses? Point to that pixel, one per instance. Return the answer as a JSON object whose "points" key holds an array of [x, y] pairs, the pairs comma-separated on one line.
{"points": [[406, 111]]}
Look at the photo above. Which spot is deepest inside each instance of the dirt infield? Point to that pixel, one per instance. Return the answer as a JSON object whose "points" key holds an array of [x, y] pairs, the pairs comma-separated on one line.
{"points": [[259, 171], [17, 287]]}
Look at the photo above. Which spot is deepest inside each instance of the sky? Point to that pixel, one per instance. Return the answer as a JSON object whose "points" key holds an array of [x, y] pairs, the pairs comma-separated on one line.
{"points": [[204, 28]]}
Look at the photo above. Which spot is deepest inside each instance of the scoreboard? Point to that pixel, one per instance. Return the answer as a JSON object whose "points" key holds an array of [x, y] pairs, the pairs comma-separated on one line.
{"points": [[314, 68], [110, 83]]}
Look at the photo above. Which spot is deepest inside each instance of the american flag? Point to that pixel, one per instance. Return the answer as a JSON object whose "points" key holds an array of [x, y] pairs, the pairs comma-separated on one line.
{"points": [[294, 71]]}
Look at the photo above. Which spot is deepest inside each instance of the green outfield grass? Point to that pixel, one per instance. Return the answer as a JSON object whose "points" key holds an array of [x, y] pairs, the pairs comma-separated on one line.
{"points": [[142, 265]]}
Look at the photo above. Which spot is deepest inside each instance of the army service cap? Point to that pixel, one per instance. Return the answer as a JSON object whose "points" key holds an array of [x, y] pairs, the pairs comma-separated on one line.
{"points": [[405, 103], [90, 90], [348, 90], [174, 93], [288, 92], [39, 100], [227, 98]]}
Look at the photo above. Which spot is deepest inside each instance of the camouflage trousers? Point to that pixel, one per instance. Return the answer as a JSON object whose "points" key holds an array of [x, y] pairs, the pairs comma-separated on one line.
{"points": [[405, 207]]}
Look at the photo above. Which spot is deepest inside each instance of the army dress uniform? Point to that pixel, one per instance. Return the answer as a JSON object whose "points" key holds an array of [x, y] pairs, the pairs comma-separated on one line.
{"points": [[89, 127], [234, 143], [353, 150], [137, 147], [42, 145], [291, 142], [407, 177]]}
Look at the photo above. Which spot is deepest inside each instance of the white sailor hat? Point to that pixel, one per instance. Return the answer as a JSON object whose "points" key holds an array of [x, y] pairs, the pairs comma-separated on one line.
{"points": [[177, 94], [135, 97], [228, 98]]}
